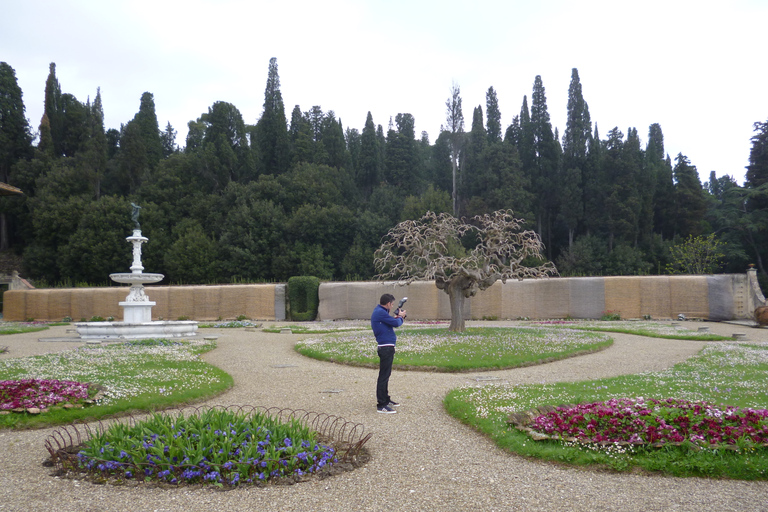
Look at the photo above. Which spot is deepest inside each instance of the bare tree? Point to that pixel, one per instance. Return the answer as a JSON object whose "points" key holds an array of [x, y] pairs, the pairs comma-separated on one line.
{"points": [[454, 119], [432, 248]]}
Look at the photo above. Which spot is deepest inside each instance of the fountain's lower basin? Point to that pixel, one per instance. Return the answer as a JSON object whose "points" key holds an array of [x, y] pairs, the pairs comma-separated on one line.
{"points": [[136, 331]]}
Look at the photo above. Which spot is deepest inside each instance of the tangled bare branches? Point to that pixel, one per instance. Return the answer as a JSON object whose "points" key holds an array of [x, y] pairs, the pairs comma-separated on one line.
{"points": [[433, 247]]}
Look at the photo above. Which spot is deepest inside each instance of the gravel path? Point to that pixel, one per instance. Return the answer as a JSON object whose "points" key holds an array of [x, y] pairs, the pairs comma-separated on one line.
{"points": [[422, 459]]}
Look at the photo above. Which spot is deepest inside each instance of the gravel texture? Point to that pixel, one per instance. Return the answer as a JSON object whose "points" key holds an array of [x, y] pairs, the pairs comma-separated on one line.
{"points": [[422, 459]]}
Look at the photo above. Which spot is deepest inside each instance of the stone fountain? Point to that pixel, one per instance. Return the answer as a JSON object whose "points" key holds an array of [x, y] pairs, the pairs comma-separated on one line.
{"points": [[137, 308]]}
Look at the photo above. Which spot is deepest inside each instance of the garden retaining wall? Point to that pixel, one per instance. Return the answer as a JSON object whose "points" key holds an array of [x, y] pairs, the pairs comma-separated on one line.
{"points": [[712, 297]]}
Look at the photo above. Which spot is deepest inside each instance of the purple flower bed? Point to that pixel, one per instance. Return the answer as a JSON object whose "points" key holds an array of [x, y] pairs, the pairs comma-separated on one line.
{"points": [[656, 422], [29, 393]]}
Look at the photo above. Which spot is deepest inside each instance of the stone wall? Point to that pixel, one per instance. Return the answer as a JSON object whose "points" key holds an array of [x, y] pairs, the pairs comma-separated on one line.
{"points": [[713, 297], [257, 302]]}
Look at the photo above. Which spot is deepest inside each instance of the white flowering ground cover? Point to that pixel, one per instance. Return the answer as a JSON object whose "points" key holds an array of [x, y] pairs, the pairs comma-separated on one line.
{"points": [[132, 375], [322, 327], [436, 348], [726, 375], [638, 327], [19, 327]]}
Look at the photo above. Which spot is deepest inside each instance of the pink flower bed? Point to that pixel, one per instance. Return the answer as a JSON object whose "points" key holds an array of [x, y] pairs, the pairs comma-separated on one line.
{"points": [[29, 393], [658, 422]]}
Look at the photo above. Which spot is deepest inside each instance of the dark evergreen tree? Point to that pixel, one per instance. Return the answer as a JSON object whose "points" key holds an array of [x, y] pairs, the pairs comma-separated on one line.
{"points": [[578, 130], [168, 139], [302, 140], [493, 116], [271, 129], [547, 162], [52, 113], [146, 119], [512, 135], [658, 167], [94, 158], [690, 203], [370, 165], [473, 177], [15, 137]]}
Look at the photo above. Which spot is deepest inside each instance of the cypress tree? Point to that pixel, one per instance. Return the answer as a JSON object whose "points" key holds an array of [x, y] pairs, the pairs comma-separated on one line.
{"points": [[149, 130], [52, 110], [493, 116], [547, 160], [690, 202], [272, 129], [369, 169]]}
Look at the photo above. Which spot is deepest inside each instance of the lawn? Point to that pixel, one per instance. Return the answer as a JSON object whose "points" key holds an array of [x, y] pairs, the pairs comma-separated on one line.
{"points": [[721, 375], [478, 348], [134, 375]]}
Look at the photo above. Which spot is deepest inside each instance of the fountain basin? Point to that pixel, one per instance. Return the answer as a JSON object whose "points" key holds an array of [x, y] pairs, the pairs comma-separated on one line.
{"points": [[136, 331], [137, 278]]}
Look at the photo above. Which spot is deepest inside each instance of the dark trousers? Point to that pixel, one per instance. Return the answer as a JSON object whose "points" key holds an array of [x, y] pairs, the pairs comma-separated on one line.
{"points": [[386, 356]]}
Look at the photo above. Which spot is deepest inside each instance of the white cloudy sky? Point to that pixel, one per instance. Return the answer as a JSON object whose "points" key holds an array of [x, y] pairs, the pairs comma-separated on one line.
{"points": [[695, 67]]}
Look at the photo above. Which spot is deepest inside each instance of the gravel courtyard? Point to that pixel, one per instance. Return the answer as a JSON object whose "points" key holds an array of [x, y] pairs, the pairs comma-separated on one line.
{"points": [[422, 459]]}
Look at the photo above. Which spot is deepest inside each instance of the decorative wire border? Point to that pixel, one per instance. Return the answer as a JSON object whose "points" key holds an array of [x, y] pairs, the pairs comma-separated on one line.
{"points": [[348, 438]]}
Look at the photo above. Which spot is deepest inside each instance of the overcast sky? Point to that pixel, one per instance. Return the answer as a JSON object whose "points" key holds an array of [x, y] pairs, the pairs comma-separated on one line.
{"points": [[695, 67]]}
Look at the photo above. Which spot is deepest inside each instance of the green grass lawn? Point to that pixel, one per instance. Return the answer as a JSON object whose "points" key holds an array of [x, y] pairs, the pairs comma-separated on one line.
{"points": [[730, 374], [636, 327], [438, 349], [134, 376]]}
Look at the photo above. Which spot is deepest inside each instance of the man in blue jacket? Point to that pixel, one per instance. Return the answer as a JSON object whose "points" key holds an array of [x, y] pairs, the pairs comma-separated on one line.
{"points": [[384, 330]]}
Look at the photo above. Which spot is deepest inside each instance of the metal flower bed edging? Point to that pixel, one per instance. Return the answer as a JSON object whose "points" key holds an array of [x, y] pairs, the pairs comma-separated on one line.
{"points": [[348, 438]]}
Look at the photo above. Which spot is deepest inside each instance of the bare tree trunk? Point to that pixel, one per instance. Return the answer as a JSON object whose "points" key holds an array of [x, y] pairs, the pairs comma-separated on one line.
{"points": [[456, 297]]}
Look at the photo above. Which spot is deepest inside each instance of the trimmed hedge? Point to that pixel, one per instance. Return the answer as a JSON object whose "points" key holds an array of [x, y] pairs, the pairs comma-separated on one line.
{"points": [[303, 297]]}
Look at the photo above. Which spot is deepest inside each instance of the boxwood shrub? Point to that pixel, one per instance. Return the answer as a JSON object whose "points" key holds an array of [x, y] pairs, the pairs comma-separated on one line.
{"points": [[303, 298]]}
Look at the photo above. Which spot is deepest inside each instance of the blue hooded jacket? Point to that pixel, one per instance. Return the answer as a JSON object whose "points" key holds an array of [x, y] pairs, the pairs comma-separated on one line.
{"points": [[384, 325]]}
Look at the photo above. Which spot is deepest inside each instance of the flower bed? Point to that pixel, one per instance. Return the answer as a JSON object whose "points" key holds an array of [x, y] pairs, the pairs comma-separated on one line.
{"points": [[219, 447], [37, 395], [651, 422]]}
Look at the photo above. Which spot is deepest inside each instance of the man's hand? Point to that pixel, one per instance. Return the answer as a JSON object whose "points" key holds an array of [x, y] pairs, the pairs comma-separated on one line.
{"points": [[401, 314]]}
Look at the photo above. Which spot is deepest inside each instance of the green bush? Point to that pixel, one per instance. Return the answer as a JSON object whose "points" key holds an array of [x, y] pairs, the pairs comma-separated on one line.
{"points": [[303, 298]]}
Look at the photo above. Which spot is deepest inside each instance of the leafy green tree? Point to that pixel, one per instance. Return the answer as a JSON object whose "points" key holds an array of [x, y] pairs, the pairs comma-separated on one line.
{"points": [[271, 130], [696, 255], [586, 257], [433, 200], [193, 258], [97, 247], [252, 234]]}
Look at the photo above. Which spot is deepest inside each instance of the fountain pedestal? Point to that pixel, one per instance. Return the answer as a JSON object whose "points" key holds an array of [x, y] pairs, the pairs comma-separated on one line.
{"points": [[137, 308]]}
